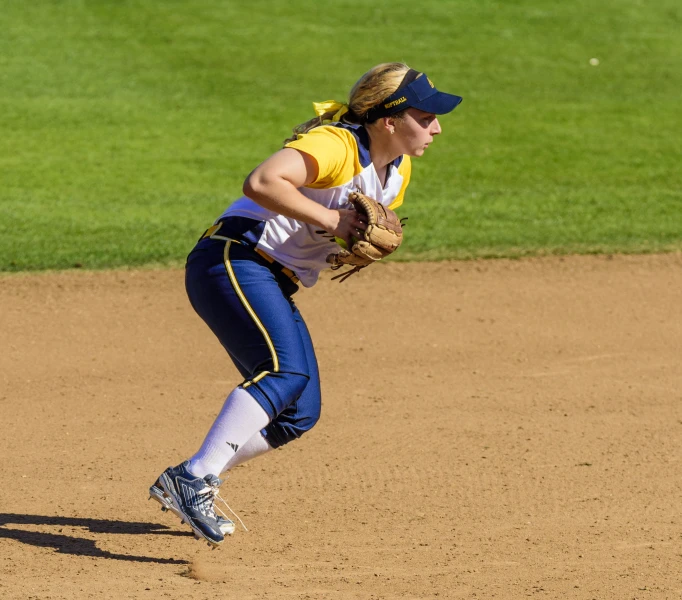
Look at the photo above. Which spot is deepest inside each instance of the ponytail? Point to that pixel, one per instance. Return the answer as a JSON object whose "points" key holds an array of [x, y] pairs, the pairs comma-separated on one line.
{"points": [[375, 85]]}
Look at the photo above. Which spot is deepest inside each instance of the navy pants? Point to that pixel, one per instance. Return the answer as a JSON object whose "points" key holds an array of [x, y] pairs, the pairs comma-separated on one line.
{"points": [[246, 301]]}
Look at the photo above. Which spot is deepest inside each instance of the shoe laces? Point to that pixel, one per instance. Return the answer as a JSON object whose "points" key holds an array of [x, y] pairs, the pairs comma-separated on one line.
{"points": [[208, 496]]}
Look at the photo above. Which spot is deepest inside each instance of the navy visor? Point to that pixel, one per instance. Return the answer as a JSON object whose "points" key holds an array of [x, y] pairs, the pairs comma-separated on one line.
{"points": [[420, 93]]}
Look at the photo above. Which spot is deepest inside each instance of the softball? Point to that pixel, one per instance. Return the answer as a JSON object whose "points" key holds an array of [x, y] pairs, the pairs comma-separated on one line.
{"points": [[342, 242], [594, 62]]}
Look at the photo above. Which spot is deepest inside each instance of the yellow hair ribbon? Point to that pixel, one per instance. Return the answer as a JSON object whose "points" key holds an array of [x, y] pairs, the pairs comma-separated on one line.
{"points": [[327, 106]]}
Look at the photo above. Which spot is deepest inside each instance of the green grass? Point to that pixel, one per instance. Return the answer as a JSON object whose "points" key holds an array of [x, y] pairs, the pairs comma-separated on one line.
{"points": [[126, 127]]}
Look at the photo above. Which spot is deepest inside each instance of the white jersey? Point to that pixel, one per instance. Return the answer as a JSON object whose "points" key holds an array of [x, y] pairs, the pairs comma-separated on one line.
{"points": [[344, 165]]}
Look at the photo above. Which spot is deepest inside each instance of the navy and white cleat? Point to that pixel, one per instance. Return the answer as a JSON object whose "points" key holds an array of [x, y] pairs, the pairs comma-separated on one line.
{"points": [[226, 525], [192, 499]]}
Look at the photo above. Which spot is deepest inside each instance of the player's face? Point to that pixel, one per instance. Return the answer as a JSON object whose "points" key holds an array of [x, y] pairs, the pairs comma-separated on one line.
{"points": [[416, 131]]}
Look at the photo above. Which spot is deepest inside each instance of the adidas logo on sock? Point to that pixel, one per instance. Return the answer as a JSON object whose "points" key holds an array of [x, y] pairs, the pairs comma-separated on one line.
{"points": [[234, 447]]}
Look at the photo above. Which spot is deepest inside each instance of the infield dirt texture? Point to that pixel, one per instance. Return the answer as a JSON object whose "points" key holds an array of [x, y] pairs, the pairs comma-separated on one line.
{"points": [[491, 429], [517, 434]]}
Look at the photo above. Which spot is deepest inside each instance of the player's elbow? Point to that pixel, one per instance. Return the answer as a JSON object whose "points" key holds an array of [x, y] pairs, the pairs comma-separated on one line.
{"points": [[251, 184], [258, 184], [278, 174]]}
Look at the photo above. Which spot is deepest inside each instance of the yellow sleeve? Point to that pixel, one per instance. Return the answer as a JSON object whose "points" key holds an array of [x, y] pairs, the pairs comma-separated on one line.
{"points": [[405, 169], [335, 151]]}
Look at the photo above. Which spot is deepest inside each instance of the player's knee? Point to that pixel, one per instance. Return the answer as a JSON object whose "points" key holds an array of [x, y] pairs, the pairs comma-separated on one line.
{"points": [[298, 418], [285, 429], [291, 388], [306, 420], [278, 391]]}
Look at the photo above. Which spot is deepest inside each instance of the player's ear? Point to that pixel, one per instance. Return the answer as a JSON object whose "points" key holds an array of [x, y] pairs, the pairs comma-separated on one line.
{"points": [[389, 124]]}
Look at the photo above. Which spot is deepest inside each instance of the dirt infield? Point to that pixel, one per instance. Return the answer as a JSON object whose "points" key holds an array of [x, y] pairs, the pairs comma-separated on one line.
{"points": [[521, 437]]}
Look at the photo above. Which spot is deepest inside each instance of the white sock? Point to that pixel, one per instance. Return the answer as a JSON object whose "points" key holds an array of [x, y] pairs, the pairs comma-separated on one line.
{"points": [[256, 446], [240, 418]]}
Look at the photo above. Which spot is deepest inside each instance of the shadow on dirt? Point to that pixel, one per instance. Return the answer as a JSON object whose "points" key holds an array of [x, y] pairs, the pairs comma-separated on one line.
{"points": [[67, 544]]}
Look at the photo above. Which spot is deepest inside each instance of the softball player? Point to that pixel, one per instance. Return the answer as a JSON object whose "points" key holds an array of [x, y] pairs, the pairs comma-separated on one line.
{"points": [[243, 272]]}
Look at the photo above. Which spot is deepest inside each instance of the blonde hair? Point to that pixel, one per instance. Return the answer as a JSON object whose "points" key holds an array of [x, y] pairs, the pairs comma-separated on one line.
{"points": [[375, 85]]}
